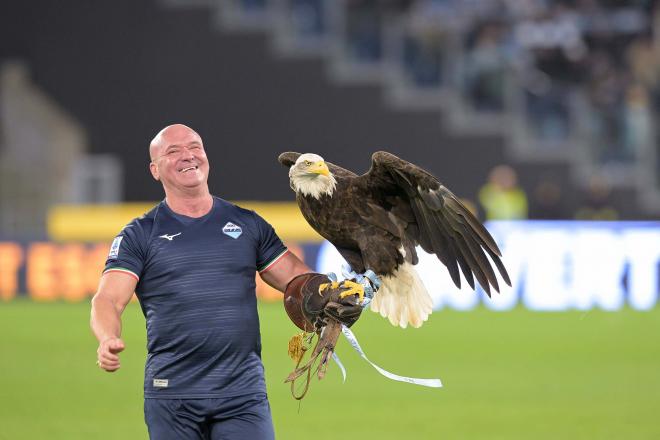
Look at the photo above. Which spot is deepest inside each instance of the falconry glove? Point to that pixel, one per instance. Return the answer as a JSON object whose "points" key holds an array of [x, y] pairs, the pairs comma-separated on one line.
{"points": [[311, 298]]}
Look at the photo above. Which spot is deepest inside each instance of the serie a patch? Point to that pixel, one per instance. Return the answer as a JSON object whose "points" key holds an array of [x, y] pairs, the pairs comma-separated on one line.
{"points": [[234, 231], [114, 248]]}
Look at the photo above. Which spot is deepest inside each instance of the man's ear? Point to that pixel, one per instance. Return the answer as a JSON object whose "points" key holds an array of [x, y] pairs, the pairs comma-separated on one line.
{"points": [[154, 170]]}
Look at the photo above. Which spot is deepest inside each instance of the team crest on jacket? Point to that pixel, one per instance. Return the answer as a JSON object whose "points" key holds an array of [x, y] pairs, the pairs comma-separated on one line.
{"points": [[234, 231]]}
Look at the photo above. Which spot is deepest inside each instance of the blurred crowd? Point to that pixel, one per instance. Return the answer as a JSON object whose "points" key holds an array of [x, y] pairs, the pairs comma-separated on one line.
{"points": [[502, 198], [602, 52], [599, 57]]}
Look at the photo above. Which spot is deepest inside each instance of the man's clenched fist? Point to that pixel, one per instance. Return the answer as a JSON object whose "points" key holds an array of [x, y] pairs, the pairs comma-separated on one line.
{"points": [[107, 354]]}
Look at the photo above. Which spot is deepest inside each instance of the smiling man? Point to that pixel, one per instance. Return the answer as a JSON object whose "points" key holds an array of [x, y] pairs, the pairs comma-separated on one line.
{"points": [[191, 261]]}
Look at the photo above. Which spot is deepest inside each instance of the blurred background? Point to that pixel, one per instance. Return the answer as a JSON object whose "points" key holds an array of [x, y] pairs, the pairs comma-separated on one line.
{"points": [[540, 114]]}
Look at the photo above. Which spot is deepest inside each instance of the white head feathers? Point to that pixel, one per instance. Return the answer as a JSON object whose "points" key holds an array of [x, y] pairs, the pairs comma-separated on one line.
{"points": [[310, 176]]}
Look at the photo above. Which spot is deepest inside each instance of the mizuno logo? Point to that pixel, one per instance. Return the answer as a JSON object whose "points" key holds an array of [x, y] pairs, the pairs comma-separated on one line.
{"points": [[169, 237]]}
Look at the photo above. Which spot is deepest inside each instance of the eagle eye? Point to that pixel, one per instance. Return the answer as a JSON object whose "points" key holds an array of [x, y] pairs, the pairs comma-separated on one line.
{"points": [[308, 162]]}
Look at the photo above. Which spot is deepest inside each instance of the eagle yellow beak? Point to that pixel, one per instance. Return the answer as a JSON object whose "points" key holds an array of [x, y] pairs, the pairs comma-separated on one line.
{"points": [[319, 168]]}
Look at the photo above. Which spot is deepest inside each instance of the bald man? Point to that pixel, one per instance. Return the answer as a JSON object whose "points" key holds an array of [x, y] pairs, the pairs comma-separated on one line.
{"points": [[191, 261]]}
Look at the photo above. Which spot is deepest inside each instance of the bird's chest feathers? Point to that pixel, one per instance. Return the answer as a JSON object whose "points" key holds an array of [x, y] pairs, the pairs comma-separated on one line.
{"points": [[324, 213], [316, 210]]}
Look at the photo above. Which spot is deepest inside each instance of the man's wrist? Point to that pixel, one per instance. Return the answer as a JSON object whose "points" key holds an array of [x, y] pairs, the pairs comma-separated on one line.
{"points": [[107, 338]]}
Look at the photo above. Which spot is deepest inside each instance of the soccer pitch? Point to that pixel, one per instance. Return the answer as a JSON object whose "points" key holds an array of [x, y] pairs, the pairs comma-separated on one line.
{"points": [[506, 375]]}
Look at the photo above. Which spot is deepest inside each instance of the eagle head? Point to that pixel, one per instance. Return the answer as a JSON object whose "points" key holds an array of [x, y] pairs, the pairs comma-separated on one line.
{"points": [[310, 176]]}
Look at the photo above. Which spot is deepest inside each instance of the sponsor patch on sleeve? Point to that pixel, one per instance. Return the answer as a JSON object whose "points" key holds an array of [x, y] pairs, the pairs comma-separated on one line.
{"points": [[114, 248]]}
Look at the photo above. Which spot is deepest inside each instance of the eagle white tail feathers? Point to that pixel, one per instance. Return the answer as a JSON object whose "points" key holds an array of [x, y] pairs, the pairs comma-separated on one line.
{"points": [[402, 298]]}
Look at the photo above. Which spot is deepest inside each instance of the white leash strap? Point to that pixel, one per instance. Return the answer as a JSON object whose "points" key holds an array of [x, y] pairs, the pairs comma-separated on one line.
{"points": [[341, 366], [433, 383]]}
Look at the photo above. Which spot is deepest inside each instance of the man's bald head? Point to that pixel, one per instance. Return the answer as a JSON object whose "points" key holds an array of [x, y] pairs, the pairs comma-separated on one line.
{"points": [[178, 160], [172, 134]]}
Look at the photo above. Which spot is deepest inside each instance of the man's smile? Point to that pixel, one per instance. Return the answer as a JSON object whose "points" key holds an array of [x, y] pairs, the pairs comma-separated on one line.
{"points": [[191, 168]]}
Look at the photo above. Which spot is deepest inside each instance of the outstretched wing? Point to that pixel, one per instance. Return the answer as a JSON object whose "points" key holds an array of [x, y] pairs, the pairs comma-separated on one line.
{"points": [[288, 158], [438, 221]]}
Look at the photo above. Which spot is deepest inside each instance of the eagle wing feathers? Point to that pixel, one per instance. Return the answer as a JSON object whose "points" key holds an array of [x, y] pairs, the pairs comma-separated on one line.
{"points": [[288, 158], [443, 225]]}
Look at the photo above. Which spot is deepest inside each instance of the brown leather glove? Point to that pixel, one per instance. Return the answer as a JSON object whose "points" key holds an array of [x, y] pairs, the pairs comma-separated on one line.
{"points": [[309, 307]]}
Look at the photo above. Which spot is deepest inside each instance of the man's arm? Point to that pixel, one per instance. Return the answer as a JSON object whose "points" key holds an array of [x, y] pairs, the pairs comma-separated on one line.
{"points": [[115, 291], [307, 298], [284, 270]]}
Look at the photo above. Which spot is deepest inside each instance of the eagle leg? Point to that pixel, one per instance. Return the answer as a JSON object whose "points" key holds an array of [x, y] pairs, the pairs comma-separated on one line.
{"points": [[326, 286], [353, 289]]}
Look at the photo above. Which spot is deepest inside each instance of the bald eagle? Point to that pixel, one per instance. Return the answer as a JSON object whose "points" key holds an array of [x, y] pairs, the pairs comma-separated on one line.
{"points": [[376, 220]]}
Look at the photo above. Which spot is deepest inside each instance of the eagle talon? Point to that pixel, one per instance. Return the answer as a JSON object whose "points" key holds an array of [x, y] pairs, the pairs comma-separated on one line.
{"points": [[326, 286], [353, 289]]}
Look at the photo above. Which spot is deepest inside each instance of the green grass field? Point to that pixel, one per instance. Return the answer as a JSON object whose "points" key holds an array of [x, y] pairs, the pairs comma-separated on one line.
{"points": [[512, 375]]}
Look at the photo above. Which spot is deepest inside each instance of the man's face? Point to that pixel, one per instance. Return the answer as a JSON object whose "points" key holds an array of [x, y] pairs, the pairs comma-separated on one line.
{"points": [[179, 160]]}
